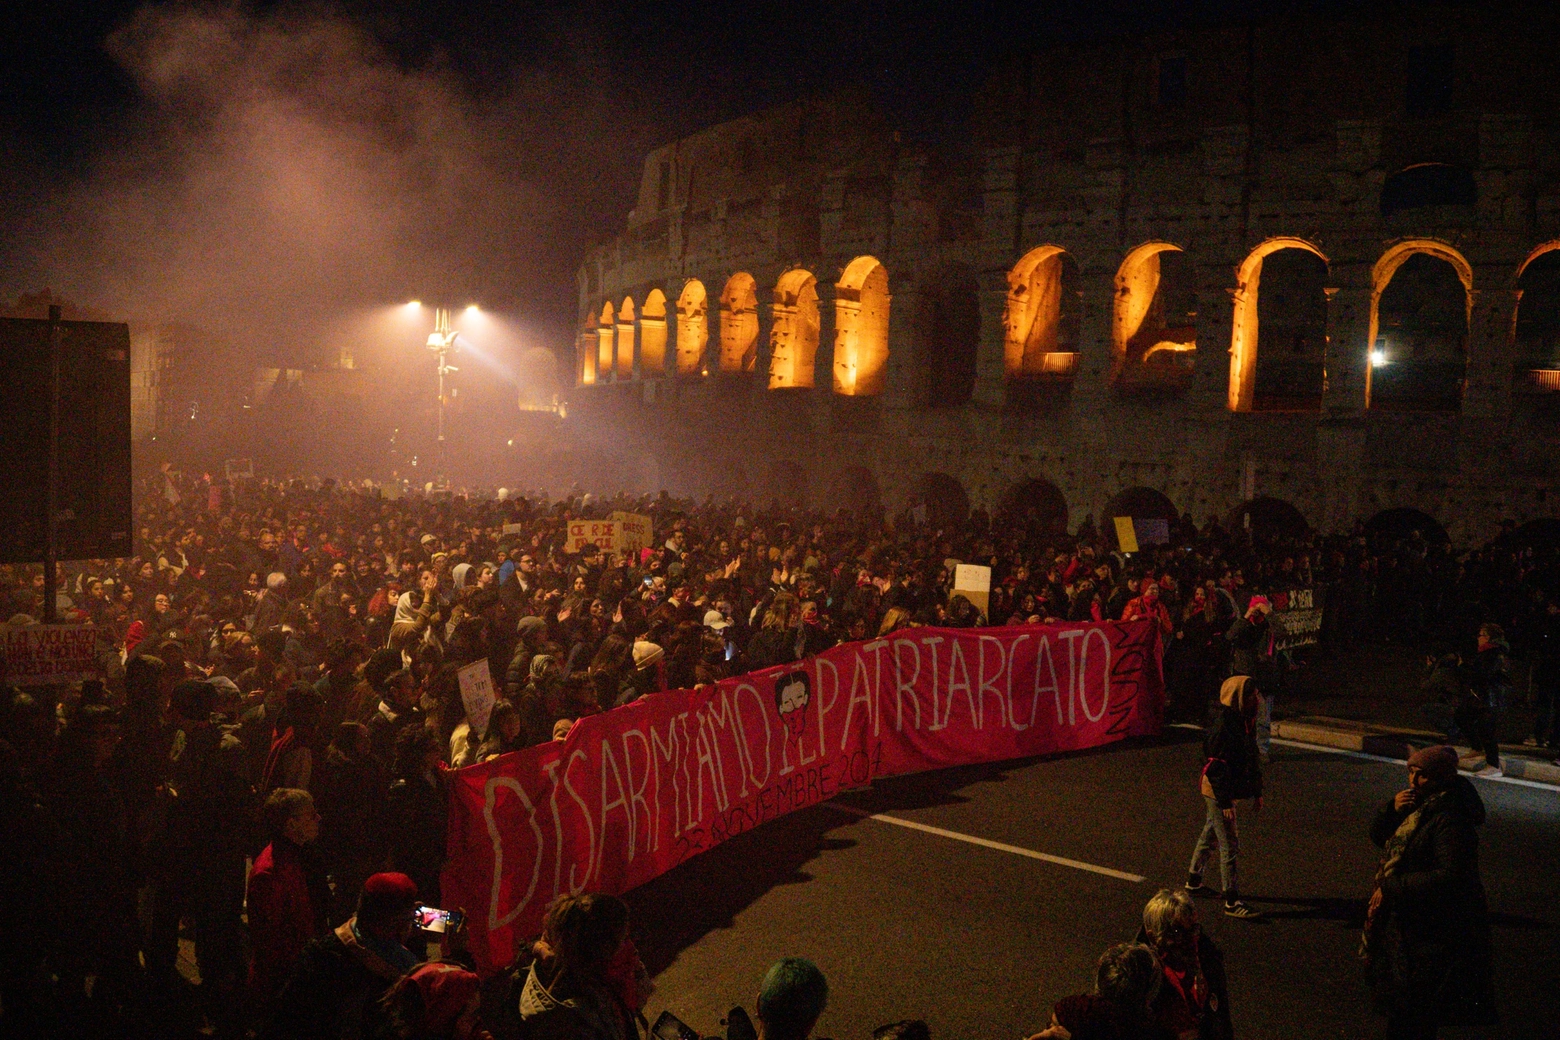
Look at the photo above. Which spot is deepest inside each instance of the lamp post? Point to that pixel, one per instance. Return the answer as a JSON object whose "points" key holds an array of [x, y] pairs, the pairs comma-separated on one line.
{"points": [[442, 341]]}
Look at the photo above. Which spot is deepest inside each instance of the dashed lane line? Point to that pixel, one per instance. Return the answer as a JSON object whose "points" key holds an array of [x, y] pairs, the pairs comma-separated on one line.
{"points": [[987, 843]]}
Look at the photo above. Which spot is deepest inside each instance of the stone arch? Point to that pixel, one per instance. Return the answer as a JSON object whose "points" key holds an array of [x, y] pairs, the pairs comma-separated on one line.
{"points": [[855, 489], [1269, 518], [1391, 525], [947, 503], [1035, 505], [1537, 330], [1424, 370], [1139, 503], [739, 324], [793, 333], [1244, 335], [861, 328], [693, 327], [947, 337], [1154, 327], [1542, 533], [625, 339], [1041, 316], [652, 336], [606, 328]]}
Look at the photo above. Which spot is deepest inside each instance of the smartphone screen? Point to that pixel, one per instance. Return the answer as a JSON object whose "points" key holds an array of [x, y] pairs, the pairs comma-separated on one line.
{"points": [[432, 919], [670, 1027]]}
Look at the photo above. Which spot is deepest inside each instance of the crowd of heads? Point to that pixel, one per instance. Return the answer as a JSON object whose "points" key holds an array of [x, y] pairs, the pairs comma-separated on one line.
{"points": [[280, 671]]}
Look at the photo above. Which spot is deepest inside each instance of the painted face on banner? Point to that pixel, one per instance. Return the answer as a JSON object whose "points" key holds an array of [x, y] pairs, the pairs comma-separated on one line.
{"points": [[793, 692]]}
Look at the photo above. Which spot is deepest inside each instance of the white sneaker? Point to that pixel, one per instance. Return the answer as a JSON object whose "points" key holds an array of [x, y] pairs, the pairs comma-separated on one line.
{"points": [[1490, 773]]}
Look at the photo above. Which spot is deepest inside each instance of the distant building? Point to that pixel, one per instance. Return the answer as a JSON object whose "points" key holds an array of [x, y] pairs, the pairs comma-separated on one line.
{"points": [[1307, 260]]}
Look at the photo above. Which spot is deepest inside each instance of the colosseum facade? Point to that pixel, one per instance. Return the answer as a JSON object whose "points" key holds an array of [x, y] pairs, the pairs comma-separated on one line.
{"points": [[1306, 261]]}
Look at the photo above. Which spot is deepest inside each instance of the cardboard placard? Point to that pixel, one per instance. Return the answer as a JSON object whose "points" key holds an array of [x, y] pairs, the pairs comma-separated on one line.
{"points": [[32, 655], [1126, 535], [973, 582], [476, 693], [635, 531]]}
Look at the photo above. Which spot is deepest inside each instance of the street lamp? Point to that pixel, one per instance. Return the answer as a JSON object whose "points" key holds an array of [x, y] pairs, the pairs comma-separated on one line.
{"points": [[442, 341]]}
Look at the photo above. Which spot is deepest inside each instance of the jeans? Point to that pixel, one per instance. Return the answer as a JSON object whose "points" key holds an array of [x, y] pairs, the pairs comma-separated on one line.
{"points": [[1264, 723], [1218, 831]]}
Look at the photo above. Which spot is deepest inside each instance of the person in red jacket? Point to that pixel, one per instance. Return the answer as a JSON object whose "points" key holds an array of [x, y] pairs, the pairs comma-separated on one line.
{"points": [[288, 896], [1147, 606]]}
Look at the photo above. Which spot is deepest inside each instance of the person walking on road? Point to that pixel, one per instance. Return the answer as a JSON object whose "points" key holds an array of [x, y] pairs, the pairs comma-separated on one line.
{"points": [[1426, 943], [1490, 681], [1232, 771]]}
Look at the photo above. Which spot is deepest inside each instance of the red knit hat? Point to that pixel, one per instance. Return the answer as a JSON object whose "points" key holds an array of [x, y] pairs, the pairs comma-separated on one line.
{"points": [[446, 991], [390, 885]]}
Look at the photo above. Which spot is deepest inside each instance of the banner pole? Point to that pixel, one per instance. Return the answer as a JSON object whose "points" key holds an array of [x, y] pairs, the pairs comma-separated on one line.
{"points": [[52, 493]]}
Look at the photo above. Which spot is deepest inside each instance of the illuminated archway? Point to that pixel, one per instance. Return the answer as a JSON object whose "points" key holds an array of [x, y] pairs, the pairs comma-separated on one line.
{"points": [[1040, 319], [652, 336], [861, 328], [793, 336], [1430, 366], [585, 345], [605, 329], [625, 339], [1537, 325], [739, 324], [1154, 340], [1244, 333], [693, 328]]}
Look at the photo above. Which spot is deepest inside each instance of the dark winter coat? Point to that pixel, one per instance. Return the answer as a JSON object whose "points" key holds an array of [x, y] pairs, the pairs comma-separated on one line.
{"points": [[1434, 942], [1248, 646], [1232, 765]]}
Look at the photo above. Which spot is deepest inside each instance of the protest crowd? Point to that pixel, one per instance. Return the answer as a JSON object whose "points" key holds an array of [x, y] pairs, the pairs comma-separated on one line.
{"points": [[261, 766]]}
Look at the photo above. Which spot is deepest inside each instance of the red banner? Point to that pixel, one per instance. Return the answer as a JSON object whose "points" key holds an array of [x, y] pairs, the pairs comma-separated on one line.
{"points": [[635, 791]]}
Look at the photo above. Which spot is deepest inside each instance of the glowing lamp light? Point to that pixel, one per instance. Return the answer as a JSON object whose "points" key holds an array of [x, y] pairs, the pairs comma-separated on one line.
{"points": [[472, 310], [412, 306], [1378, 357]]}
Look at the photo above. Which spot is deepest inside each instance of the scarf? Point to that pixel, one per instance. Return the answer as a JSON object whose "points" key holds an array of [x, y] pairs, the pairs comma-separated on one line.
{"points": [[1370, 935]]}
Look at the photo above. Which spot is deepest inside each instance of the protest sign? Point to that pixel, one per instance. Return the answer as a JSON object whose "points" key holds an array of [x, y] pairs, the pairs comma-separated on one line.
{"points": [[239, 469], [600, 533], [973, 582], [1126, 534], [633, 792], [514, 529], [31, 655], [634, 531], [476, 693], [1297, 617]]}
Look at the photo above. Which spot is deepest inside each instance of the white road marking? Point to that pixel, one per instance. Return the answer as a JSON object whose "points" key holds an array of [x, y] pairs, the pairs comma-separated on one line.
{"points": [[1060, 861], [1516, 780]]}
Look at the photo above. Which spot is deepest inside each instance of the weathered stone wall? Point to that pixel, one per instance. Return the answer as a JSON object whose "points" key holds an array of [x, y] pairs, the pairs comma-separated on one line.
{"points": [[1223, 144]]}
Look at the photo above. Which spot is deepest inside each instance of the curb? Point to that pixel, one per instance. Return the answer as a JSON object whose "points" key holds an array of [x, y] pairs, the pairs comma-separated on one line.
{"points": [[1392, 745]]}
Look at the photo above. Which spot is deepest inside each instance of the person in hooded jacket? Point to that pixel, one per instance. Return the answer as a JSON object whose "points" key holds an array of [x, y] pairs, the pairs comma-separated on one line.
{"points": [[1489, 679], [1426, 943], [1232, 771]]}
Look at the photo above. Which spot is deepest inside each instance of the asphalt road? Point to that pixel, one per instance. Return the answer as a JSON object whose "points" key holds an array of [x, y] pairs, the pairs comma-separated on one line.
{"points": [[981, 941]]}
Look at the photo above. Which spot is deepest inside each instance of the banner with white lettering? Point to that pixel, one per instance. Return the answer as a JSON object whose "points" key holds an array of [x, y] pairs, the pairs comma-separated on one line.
{"points": [[633, 792], [32, 655]]}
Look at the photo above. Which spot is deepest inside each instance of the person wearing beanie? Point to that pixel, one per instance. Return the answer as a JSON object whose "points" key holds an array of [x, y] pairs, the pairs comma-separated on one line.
{"points": [[343, 975], [1232, 771], [437, 1001], [1426, 942]]}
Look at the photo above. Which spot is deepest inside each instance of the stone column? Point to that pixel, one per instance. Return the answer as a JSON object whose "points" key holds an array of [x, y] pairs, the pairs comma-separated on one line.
{"points": [[1348, 347], [1492, 322], [1096, 344], [990, 391]]}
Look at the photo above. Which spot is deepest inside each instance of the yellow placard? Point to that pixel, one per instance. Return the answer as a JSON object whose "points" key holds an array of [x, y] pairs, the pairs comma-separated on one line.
{"points": [[1126, 536]]}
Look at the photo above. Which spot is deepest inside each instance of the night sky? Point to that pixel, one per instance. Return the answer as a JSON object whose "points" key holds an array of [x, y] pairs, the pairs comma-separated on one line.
{"points": [[259, 169]]}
